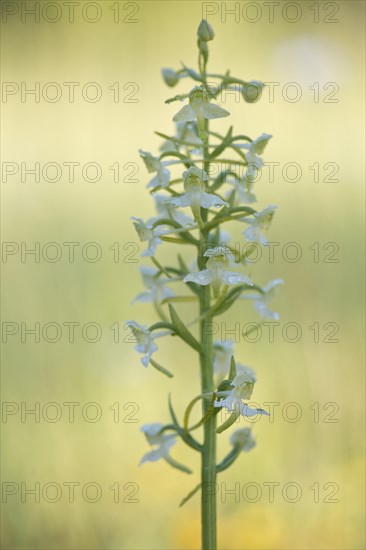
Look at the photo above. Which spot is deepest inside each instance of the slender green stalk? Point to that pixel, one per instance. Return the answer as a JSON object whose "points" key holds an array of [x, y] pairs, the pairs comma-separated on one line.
{"points": [[208, 466], [208, 500], [199, 193]]}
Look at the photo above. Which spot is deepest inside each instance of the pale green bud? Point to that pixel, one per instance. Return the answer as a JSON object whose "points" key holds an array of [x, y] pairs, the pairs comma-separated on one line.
{"points": [[252, 91], [170, 77], [205, 31], [244, 439]]}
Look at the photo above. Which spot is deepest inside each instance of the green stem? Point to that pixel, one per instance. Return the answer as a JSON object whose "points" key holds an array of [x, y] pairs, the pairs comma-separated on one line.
{"points": [[208, 471], [208, 500]]}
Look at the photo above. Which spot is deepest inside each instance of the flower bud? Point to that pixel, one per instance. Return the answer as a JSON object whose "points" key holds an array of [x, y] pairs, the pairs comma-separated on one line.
{"points": [[170, 77], [205, 31], [244, 439], [252, 91]]}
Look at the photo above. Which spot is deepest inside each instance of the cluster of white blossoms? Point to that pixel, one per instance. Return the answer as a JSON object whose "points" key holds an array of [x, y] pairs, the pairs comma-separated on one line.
{"points": [[193, 202]]}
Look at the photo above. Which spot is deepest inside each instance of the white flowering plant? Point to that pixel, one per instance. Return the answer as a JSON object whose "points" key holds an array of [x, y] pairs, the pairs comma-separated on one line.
{"points": [[217, 279]]}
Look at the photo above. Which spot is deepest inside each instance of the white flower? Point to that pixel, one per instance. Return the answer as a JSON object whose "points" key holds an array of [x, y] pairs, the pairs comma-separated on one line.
{"points": [[146, 232], [156, 285], [261, 300], [145, 342], [243, 439], [162, 441], [195, 195], [198, 110], [153, 164], [256, 147], [243, 385], [167, 210], [261, 220], [187, 131], [243, 193], [216, 272], [223, 351], [255, 163]]}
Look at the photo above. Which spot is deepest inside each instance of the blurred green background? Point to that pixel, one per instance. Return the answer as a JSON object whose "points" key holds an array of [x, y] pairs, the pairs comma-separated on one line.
{"points": [[106, 372]]}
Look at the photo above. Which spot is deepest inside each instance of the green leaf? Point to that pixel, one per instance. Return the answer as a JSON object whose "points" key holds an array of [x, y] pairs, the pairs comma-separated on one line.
{"points": [[230, 299], [228, 460], [161, 369], [192, 73], [177, 98], [159, 325], [225, 385], [186, 437], [244, 209], [231, 198], [177, 465], [221, 179], [225, 143], [232, 369], [182, 265], [172, 413], [190, 495], [186, 161], [229, 422], [189, 410], [232, 296], [182, 331]]}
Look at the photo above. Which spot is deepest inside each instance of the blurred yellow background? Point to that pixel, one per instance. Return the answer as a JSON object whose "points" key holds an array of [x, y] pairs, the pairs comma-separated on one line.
{"points": [[128, 45]]}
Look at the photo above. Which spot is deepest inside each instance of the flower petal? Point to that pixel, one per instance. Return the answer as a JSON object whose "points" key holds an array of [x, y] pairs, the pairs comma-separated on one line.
{"points": [[186, 114], [247, 411], [210, 199], [201, 277], [233, 278], [152, 456], [153, 243], [211, 110], [183, 200], [146, 296]]}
